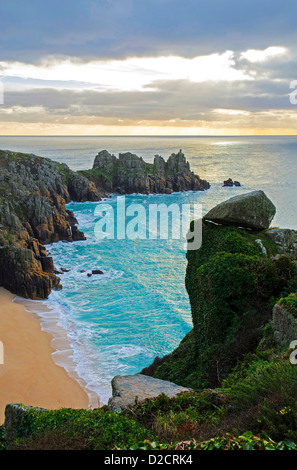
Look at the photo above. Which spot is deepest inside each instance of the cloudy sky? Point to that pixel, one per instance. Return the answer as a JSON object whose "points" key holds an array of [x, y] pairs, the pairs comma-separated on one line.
{"points": [[157, 67]]}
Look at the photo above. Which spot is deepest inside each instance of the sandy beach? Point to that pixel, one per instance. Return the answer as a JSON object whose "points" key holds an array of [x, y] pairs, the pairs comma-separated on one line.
{"points": [[28, 373]]}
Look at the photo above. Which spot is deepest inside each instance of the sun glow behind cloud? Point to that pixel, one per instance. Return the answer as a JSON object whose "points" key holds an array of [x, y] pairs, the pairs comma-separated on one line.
{"points": [[202, 95], [130, 74]]}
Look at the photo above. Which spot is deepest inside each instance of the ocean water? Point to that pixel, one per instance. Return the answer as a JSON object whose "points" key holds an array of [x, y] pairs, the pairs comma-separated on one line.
{"points": [[118, 321]]}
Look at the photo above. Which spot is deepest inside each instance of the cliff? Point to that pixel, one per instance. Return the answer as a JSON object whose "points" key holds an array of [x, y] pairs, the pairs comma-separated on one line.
{"points": [[33, 196], [233, 280], [131, 174]]}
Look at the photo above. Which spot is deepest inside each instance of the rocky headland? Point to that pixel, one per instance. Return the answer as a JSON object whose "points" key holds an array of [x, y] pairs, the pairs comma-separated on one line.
{"points": [[34, 192], [130, 174]]}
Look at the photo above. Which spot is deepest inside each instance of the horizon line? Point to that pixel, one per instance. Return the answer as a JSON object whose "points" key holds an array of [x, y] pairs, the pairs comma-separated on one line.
{"points": [[149, 135]]}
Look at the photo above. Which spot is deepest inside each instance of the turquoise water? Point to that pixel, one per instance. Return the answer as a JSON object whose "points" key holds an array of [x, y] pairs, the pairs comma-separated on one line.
{"points": [[136, 310], [119, 321]]}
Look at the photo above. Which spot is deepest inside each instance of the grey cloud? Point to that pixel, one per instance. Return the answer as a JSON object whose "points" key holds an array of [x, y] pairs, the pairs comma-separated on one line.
{"points": [[117, 28], [172, 100]]}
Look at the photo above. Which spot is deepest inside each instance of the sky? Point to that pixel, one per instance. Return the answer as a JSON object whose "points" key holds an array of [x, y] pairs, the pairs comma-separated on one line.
{"points": [[148, 67]]}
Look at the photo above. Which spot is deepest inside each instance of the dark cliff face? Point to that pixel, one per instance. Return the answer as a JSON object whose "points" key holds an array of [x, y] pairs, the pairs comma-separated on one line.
{"points": [[131, 174], [33, 195]]}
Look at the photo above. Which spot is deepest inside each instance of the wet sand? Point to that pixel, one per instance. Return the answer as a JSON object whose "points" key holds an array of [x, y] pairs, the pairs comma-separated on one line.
{"points": [[28, 374]]}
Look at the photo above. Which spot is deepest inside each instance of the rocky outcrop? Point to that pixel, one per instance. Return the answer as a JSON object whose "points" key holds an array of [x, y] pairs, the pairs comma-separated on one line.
{"points": [[285, 239], [130, 389], [230, 182], [284, 325], [33, 196], [251, 210], [131, 174], [15, 420], [231, 280]]}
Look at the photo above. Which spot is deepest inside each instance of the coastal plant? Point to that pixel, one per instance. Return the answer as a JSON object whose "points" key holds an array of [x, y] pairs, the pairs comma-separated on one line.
{"points": [[275, 378], [246, 441], [251, 365], [271, 393], [93, 429], [178, 417], [278, 418]]}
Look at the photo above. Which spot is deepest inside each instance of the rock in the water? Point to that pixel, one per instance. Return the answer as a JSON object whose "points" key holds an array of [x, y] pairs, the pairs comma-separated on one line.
{"points": [[97, 271], [230, 182], [251, 210], [128, 390], [77, 235]]}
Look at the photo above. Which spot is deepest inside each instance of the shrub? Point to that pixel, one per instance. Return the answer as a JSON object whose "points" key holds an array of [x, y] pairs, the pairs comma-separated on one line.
{"points": [[271, 392], [252, 364], [178, 417], [86, 429], [246, 441]]}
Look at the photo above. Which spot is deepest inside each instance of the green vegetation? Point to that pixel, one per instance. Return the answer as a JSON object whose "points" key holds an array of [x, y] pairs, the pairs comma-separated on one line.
{"points": [[96, 175], [150, 169], [246, 441], [271, 393], [257, 411], [290, 303], [232, 288], [83, 429]]}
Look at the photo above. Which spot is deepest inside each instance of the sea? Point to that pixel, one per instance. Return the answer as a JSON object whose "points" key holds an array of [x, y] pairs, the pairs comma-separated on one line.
{"points": [[117, 322]]}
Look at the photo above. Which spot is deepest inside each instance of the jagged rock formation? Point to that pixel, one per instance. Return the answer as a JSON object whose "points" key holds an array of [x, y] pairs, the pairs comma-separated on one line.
{"points": [[131, 174], [130, 389], [33, 196]]}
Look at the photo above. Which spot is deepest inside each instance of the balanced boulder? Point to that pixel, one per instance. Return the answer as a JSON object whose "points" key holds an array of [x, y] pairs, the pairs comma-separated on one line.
{"points": [[252, 210]]}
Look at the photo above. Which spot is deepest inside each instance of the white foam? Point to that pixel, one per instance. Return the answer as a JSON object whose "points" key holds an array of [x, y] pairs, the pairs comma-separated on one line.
{"points": [[68, 351]]}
